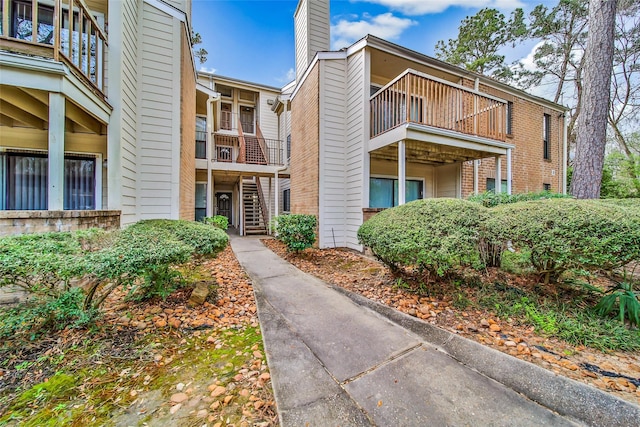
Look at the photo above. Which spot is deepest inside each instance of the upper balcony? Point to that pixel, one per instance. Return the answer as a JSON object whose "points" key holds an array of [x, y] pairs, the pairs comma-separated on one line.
{"points": [[427, 111], [49, 30]]}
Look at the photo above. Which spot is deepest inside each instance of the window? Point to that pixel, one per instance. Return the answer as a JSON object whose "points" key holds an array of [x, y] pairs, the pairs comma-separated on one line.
{"points": [[225, 90], [286, 200], [546, 187], [288, 146], [509, 118], [546, 136], [491, 185], [226, 117], [24, 182], [201, 137], [201, 200], [383, 192]]}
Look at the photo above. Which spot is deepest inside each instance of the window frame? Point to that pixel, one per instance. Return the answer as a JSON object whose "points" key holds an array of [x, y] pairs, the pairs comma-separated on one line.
{"points": [[421, 180], [546, 137]]}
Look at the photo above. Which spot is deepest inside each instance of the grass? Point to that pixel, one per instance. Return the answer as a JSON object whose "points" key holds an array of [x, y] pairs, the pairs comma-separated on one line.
{"points": [[569, 318], [89, 387]]}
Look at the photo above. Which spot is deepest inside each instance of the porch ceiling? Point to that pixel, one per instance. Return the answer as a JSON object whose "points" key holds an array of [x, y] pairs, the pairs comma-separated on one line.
{"points": [[433, 146], [22, 107], [426, 153]]}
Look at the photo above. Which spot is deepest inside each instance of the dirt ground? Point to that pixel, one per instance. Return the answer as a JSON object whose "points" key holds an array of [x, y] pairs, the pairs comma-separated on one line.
{"points": [[617, 373], [156, 363]]}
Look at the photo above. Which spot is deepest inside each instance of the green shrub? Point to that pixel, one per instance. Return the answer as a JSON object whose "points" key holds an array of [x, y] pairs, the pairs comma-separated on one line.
{"points": [[297, 232], [567, 234], [490, 199], [220, 221], [142, 256], [433, 235]]}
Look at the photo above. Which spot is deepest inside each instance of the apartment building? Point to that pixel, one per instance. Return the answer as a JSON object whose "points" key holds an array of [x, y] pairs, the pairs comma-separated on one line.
{"points": [[97, 107], [377, 125], [241, 152]]}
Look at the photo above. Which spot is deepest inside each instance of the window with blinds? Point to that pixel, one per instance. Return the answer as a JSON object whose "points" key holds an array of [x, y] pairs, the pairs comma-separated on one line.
{"points": [[24, 181]]}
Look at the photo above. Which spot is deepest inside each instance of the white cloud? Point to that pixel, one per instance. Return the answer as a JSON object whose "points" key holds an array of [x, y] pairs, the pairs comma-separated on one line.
{"points": [[385, 26], [287, 77], [207, 70], [423, 7]]}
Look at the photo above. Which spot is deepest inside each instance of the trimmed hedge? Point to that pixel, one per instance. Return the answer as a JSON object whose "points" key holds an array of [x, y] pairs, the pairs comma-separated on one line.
{"points": [[296, 231], [565, 234], [490, 199], [433, 235]]}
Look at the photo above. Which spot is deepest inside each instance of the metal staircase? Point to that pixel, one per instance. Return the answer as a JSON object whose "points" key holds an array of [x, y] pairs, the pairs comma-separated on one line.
{"points": [[253, 208]]}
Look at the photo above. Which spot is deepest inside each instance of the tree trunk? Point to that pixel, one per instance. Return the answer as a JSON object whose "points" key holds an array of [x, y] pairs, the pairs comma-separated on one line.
{"points": [[592, 122]]}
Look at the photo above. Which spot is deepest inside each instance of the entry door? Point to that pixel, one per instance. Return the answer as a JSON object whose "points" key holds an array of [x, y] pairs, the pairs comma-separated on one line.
{"points": [[223, 204]]}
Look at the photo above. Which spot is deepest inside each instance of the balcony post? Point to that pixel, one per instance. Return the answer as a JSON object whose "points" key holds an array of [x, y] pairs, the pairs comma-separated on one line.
{"points": [[402, 172], [56, 151], [476, 164], [498, 180], [509, 171]]}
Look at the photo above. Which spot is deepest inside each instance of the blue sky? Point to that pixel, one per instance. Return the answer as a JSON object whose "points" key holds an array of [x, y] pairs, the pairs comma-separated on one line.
{"points": [[253, 39]]}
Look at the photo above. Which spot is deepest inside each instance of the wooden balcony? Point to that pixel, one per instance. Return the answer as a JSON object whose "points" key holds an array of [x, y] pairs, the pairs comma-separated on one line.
{"points": [[416, 98], [46, 30], [250, 150]]}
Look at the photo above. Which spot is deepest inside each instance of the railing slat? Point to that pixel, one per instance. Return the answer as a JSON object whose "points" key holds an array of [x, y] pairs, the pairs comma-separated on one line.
{"points": [[413, 97]]}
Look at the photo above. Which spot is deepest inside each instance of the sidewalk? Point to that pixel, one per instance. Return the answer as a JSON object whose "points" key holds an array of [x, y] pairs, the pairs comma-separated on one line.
{"points": [[339, 359]]}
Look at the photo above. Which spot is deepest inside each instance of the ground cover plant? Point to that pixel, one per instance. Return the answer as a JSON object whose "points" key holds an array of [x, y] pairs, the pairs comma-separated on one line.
{"points": [[152, 362]]}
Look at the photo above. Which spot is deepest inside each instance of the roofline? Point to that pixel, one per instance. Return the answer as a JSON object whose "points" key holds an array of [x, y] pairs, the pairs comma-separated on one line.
{"points": [[239, 81], [381, 44]]}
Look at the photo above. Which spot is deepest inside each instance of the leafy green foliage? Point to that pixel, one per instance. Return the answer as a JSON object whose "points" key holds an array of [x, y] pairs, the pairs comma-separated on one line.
{"points": [[141, 257], [480, 38], [41, 314], [490, 199], [431, 235], [297, 232], [625, 299], [564, 234], [220, 221]]}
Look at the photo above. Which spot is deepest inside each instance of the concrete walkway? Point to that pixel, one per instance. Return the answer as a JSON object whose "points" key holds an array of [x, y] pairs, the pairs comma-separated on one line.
{"points": [[338, 359]]}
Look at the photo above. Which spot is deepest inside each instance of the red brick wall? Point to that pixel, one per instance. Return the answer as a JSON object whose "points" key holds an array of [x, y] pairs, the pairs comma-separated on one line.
{"points": [[529, 170]]}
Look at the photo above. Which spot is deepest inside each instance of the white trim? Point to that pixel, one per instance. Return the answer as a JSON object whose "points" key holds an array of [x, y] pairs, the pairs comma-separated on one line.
{"points": [[509, 172], [168, 9], [366, 119], [316, 58], [55, 152], [498, 186], [321, 154], [402, 173], [564, 156]]}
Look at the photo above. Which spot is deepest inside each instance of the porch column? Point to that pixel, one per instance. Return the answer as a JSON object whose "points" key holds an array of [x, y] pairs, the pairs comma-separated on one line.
{"points": [[277, 195], [56, 152], [240, 209], [270, 200], [210, 193], [402, 173], [509, 171], [475, 176], [498, 179]]}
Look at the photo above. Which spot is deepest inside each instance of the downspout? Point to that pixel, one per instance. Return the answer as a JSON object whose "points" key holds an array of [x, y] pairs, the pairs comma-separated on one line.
{"points": [[209, 149]]}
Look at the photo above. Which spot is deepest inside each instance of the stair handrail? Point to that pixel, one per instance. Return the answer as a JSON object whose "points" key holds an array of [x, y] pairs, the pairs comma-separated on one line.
{"points": [[242, 154], [262, 143], [263, 205]]}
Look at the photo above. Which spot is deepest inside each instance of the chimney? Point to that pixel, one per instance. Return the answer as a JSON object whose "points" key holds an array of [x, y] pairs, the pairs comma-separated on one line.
{"points": [[311, 21]]}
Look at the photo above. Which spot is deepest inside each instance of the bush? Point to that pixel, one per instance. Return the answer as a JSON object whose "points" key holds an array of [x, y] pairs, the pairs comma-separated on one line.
{"points": [[220, 221], [297, 232], [433, 235], [490, 199], [567, 234]]}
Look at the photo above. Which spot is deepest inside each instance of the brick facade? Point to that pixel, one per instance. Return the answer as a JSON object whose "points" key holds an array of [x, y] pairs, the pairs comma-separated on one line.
{"points": [[305, 137], [25, 222], [529, 170], [187, 133]]}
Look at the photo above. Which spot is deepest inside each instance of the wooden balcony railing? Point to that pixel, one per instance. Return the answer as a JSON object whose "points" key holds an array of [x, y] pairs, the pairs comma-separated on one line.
{"points": [[247, 149], [43, 29], [414, 97]]}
